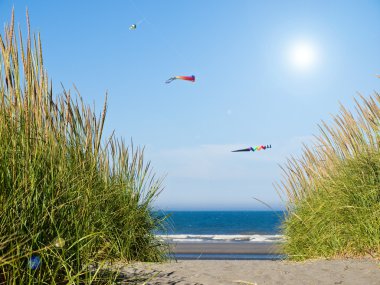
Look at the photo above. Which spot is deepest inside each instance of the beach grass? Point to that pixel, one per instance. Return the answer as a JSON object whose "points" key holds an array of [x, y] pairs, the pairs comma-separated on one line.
{"points": [[70, 198], [333, 189]]}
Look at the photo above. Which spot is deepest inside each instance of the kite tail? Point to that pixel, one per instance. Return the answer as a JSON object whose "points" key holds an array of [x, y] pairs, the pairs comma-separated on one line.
{"points": [[170, 80], [140, 22]]}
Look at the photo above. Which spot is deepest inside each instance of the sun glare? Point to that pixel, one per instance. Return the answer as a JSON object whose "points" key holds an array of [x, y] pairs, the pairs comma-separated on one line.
{"points": [[303, 56]]}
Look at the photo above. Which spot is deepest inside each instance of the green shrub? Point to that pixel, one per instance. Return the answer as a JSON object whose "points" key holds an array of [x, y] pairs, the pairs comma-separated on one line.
{"points": [[333, 190], [65, 197]]}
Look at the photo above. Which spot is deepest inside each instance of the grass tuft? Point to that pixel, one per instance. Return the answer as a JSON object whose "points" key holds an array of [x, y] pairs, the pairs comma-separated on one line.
{"points": [[333, 190], [69, 198]]}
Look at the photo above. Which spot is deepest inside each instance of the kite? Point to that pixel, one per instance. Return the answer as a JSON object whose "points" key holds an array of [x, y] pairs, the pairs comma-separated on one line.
{"points": [[188, 78], [259, 147], [134, 26]]}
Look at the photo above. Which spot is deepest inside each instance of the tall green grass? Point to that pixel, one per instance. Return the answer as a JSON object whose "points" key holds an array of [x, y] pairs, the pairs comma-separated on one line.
{"points": [[333, 190], [67, 195]]}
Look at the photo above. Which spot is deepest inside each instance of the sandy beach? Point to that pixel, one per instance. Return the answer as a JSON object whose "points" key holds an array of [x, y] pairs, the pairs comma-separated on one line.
{"points": [[219, 272]]}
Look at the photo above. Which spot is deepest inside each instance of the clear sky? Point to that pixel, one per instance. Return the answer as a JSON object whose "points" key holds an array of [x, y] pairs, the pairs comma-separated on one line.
{"points": [[267, 72]]}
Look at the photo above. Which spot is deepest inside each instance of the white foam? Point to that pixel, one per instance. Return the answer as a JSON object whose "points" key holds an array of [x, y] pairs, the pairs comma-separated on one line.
{"points": [[221, 238], [187, 240], [231, 237]]}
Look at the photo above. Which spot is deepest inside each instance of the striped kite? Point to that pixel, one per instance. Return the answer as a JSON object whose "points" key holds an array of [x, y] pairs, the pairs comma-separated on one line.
{"points": [[259, 147], [188, 78]]}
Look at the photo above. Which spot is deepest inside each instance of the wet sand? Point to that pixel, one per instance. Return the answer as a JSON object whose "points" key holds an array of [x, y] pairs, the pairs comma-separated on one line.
{"points": [[220, 272], [225, 248]]}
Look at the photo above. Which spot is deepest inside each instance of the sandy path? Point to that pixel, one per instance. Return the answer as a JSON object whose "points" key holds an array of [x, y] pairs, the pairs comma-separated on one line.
{"points": [[218, 272]]}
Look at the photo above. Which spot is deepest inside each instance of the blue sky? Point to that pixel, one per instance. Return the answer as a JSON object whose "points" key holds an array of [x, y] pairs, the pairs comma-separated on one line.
{"points": [[248, 90]]}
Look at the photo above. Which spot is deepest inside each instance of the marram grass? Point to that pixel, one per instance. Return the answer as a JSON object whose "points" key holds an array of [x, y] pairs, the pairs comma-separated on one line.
{"points": [[333, 190], [69, 198]]}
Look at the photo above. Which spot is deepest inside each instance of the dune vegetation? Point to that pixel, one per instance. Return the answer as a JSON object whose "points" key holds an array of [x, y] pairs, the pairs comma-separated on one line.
{"points": [[333, 189], [70, 199]]}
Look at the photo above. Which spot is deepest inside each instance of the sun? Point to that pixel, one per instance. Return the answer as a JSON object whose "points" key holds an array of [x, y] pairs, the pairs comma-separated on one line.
{"points": [[303, 56]]}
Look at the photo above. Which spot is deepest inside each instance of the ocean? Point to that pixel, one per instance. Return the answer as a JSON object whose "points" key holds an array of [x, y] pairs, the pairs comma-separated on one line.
{"points": [[226, 229]]}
